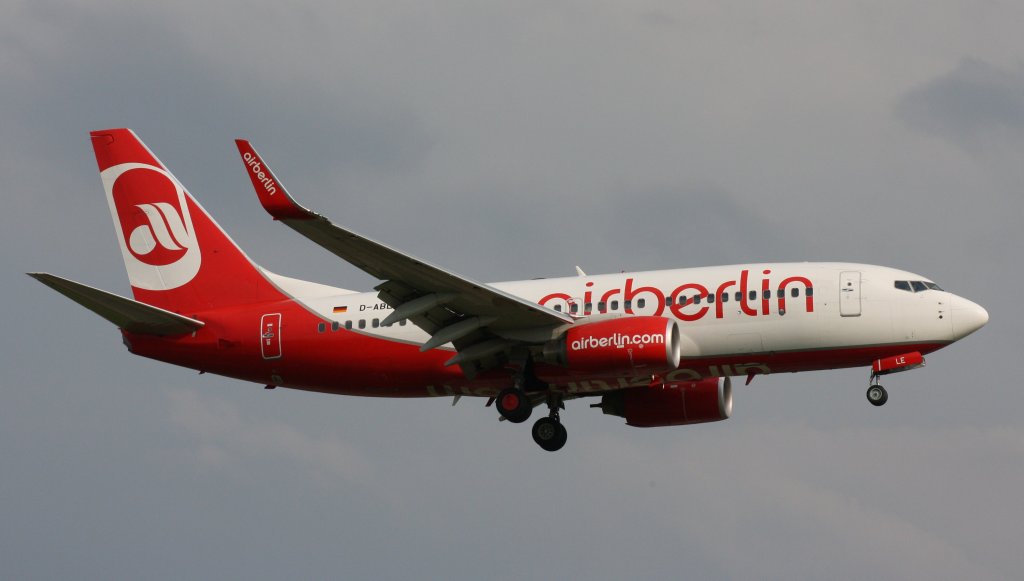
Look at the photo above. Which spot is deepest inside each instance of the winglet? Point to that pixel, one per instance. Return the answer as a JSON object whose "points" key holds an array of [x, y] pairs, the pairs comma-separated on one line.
{"points": [[275, 198]]}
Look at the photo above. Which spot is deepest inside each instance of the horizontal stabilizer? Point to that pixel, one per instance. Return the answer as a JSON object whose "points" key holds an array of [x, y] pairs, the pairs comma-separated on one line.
{"points": [[127, 314]]}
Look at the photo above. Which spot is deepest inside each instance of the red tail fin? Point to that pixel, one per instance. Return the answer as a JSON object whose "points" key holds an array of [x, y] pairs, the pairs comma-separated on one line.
{"points": [[177, 257]]}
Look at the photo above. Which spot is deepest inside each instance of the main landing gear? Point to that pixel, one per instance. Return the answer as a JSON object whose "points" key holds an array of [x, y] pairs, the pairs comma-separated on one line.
{"points": [[515, 403], [515, 406], [549, 433]]}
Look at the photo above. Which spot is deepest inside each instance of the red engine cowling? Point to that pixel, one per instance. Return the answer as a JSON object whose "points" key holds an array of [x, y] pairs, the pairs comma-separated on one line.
{"points": [[672, 404], [623, 345]]}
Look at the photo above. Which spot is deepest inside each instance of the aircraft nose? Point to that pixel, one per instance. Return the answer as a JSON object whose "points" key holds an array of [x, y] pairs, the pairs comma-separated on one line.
{"points": [[968, 317]]}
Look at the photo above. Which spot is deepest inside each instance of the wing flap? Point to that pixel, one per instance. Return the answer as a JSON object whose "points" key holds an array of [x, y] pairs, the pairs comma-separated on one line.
{"points": [[126, 313]]}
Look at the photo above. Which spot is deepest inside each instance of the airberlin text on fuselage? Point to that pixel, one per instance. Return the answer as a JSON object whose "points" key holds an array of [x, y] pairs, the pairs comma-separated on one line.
{"points": [[257, 170], [690, 310]]}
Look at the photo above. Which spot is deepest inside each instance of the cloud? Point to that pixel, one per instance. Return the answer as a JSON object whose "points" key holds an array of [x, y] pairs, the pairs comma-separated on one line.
{"points": [[975, 105], [776, 495], [225, 439]]}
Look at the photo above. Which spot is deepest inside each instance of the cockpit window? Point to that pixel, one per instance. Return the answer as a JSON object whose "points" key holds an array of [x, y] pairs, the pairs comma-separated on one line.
{"points": [[916, 286]]}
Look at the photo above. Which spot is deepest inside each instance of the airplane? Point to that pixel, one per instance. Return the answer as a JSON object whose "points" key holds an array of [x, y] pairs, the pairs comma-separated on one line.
{"points": [[658, 348]]}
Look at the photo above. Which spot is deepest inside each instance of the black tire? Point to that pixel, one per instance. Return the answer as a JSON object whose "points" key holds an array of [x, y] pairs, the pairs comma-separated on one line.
{"points": [[877, 395], [549, 434], [513, 405]]}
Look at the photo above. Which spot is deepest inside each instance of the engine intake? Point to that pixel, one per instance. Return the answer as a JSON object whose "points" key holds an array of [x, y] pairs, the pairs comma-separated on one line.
{"points": [[623, 345]]}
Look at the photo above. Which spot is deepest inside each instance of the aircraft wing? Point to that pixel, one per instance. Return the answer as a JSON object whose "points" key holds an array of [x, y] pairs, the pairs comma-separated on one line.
{"points": [[127, 314], [472, 315]]}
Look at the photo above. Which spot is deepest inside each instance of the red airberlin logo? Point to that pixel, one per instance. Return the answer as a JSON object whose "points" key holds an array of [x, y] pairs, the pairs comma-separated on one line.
{"points": [[151, 218], [692, 301]]}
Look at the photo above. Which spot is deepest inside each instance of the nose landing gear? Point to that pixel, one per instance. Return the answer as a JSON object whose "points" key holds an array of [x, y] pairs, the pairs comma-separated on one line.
{"points": [[877, 395]]}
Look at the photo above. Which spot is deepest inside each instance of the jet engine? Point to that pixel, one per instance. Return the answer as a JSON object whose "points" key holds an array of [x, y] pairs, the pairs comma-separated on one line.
{"points": [[671, 404], [622, 345]]}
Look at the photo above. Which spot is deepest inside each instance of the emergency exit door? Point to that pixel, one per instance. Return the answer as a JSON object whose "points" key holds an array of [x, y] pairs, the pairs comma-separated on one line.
{"points": [[849, 294], [270, 336]]}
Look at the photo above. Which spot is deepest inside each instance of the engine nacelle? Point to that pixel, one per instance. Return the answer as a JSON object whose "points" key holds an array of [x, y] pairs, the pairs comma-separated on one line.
{"points": [[623, 345], [672, 404]]}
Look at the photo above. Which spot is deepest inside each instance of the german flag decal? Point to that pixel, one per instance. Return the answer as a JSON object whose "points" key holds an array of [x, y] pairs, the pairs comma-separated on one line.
{"points": [[343, 309]]}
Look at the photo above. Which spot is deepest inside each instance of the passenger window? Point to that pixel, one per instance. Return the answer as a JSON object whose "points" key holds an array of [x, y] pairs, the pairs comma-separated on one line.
{"points": [[782, 293], [628, 305], [641, 303], [348, 324], [739, 296], [558, 308], [321, 327], [682, 300], [752, 295], [903, 285], [335, 326], [795, 292], [587, 308], [376, 323], [668, 301], [362, 323], [574, 308], [767, 294], [615, 305], [725, 297], [711, 299], [402, 322], [918, 286], [696, 299], [810, 291], [602, 307]]}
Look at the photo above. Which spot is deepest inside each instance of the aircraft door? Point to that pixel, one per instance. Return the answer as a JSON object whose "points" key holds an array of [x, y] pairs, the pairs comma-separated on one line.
{"points": [[270, 336], [849, 294]]}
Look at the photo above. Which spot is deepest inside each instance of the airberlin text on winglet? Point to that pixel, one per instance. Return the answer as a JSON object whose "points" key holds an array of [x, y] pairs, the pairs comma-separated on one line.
{"points": [[259, 174]]}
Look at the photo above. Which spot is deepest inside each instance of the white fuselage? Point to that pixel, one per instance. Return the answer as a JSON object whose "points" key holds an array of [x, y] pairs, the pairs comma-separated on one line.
{"points": [[768, 308]]}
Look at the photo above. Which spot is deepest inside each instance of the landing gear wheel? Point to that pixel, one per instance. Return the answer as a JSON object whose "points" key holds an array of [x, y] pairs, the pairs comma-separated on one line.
{"points": [[513, 405], [549, 434], [877, 395]]}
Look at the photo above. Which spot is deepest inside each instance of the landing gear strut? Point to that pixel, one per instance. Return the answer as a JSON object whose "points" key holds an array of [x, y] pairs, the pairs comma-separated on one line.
{"points": [[877, 395]]}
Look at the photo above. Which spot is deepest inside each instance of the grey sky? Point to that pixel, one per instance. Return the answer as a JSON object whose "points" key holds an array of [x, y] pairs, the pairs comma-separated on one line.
{"points": [[513, 141]]}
